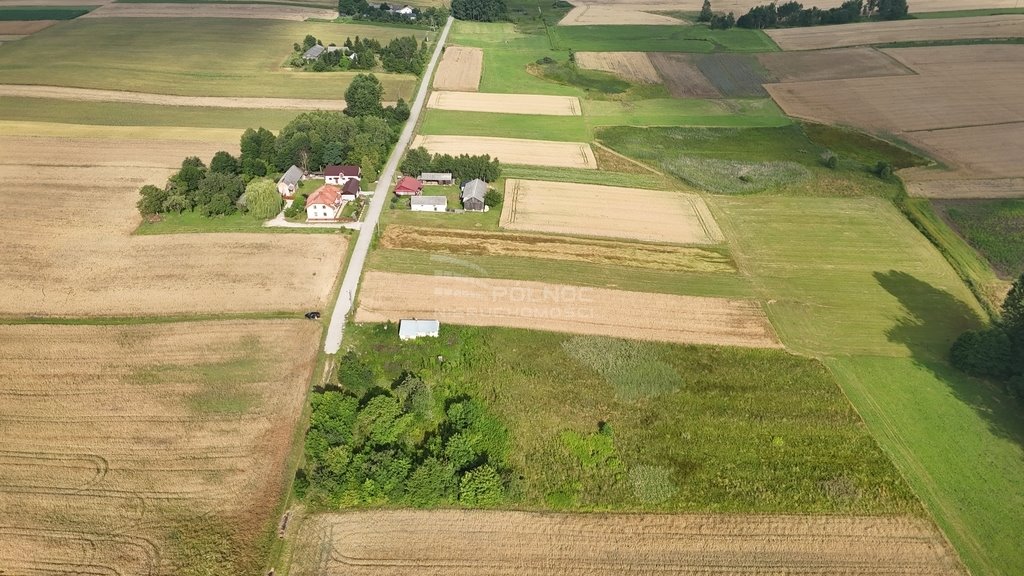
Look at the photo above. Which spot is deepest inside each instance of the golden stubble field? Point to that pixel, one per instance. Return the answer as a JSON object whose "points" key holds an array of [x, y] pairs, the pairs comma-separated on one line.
{"points": [[386, 296], [91, 95], [69, 206], [176, 10], [598, 13], [513, 150], [459, 69], [859, 34], [24, 27], [145, 449], [505, 103], [462, 542], [611, 211], [630, 66]]}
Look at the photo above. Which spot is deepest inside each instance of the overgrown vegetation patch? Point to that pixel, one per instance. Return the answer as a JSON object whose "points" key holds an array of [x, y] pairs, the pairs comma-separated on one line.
{"points": [[993, 227]]}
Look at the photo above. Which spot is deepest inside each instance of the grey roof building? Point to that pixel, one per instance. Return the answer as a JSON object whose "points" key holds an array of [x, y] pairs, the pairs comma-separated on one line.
{"points": [[313, 53], [436, 178], [473, 193], [412, 329], [289, 181]]}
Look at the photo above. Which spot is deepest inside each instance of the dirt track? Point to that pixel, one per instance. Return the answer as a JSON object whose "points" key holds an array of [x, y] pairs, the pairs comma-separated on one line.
{"points": [[90, 95], [539, 306], [631, 66], [505, 103], [459, 69], [818, 37], [173, 10], [457, 542], [513, 150]]}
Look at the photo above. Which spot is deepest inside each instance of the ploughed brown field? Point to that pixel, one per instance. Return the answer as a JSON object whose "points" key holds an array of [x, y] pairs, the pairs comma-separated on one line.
{"points": [[631, 254], [863, 33], [584, 209], [630, 66], [463, 542], [386, 296], [835, 64], [234, 10], [505, 103], [146, 449], [459, 69], [91, 95], [682, 77], [67, 248], [513, 150]]}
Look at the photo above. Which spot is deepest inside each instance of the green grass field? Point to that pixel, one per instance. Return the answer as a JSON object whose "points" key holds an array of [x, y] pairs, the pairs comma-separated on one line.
{"points": [[195, 223], [993, 227], [187, 56], [684, 429], [660, 39], [648, 180], [120, 114], [967, 13], [43, 12]]}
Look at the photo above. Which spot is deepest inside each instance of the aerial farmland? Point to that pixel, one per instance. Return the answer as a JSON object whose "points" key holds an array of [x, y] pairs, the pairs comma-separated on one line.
{"points": [[608, 287]]}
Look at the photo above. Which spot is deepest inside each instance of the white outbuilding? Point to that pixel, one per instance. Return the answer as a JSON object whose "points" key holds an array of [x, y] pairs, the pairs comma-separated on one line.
{"points": [[412, 329], [429, 203]]}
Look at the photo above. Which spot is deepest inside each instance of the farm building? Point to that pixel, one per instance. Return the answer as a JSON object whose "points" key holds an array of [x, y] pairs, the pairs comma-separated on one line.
{"points": [[429, 203], [409, 186], [338, 175], [412, 329], [324, 205], [437, 178], [472, 196], [349, 190], [313, 53], [289, 181]]}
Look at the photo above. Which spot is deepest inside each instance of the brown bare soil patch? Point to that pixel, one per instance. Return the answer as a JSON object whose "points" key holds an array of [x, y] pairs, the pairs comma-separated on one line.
{"points": [[471, 542], [610, 252], [233, 10], [459, 69], [513, 150], [630, 66], [90, 95], [505, 103], [834, 64], [589, 210], [594, 14], [131, 449], [682, 77], [67, 249], [979, 151], [24, 27], [560, 308], [860, 34]]}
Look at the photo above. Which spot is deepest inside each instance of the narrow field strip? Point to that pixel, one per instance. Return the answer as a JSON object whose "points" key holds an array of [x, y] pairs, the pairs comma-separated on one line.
{"points": [[967, 188], [860, 34], [589, 14], [513, 150], [459, 69], [92, 95], [505, 103], [206, 10], [456, 542], [630, 66], [24, 27], [562, 308]]}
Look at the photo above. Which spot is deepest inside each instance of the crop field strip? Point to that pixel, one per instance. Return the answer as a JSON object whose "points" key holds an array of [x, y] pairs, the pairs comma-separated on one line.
{"points": [[562, 308], [474, 542], [630, 66], [505, 103], [965, 188], [581, 209], [513, 150], [740, 7], [207, 10], [832, 64], [119, 96], [81, 260], [24, 27], [118, 437], [459, 69], [819, 37], [597, 13]]}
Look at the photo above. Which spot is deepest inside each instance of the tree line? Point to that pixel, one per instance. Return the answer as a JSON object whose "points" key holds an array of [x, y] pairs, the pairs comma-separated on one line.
{"points": [[400, 55], [997, 352], [793, 14], [433, 16], [214, 190], [463, 167], [480, 10], [398, 444]]}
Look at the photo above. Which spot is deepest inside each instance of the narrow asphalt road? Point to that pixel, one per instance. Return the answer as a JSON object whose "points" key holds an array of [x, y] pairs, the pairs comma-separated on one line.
{"points": [[354, 270]]}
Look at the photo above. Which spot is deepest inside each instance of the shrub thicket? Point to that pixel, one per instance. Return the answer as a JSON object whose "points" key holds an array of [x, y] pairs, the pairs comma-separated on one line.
{"points": [[997, 352]]}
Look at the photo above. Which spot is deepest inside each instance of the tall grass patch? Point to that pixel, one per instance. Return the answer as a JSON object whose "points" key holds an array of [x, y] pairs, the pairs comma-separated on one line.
{"points": [[995, 228]]}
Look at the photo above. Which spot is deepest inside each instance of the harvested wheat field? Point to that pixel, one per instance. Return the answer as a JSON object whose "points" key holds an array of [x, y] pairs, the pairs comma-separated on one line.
{"points": [[24, 27], [177, 10], [589, 210], [592, 14], [90, 95], [629, 254], [459, 69], [964, 188], [505, 103], [80, 260], [836, 64], [513, 150], [994, 150], [471, 542], [743, 6], [860, 34], [133, 449], [682, 77], [630, 66], [388, 296]]}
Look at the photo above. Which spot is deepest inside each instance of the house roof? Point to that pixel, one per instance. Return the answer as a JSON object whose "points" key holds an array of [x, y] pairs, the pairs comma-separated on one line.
{"points": [[410, 184], [292, 175], [350, 187], [436, 176], [348, 171], [429, 201], [326, 194], [474, 189], [413, 328], [313, 52]]}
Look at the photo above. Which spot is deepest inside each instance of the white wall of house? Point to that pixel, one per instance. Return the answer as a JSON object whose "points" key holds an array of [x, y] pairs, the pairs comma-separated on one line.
{"points": [[322, 212], [428, 208], [339, 180], [285, 189]]}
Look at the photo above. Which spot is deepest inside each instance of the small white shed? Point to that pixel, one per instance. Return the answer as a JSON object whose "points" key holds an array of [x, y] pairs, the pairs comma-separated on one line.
{"points": [[429, 203], [412, 329]]}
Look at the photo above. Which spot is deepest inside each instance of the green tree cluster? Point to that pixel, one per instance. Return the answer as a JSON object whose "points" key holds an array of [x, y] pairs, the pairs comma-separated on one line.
{"points": [[793, 14], [315, 139], [705, 12], [463, 167], [997, 352], [480, 10], [196, 187], [369, 445]]}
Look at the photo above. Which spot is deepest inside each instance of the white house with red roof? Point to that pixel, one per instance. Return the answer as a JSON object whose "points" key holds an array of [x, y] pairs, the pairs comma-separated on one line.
{"points": [[324, 204], [339, 175]]}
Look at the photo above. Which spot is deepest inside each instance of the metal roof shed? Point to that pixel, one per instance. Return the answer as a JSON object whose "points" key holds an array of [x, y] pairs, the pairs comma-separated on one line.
{"points": [[412, 329]]}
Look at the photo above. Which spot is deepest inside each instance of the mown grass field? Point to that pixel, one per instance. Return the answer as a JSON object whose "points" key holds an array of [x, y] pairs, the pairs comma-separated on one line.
{"points": [[659, 39], [187, 57], [684, 427]]}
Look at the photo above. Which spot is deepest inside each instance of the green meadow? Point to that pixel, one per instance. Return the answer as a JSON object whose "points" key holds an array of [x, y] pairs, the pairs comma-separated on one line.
{"points": [[697, 38]]}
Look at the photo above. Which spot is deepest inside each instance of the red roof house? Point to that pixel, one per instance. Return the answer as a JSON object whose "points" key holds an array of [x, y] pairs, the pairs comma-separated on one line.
{"points": [[324, 204], [340, 174], [409, 186]]}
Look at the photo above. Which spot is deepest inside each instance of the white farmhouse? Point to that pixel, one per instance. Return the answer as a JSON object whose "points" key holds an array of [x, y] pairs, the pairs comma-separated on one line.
{"points": [[324, 205], [339, 175], [429, 203]]}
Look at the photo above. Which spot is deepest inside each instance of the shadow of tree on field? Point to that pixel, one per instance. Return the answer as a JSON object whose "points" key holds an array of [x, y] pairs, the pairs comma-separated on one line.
{"points": [[935, 318]]}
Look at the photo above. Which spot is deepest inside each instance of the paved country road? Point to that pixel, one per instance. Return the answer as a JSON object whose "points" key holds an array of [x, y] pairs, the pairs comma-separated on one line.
{"points": [[354, 270]]}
